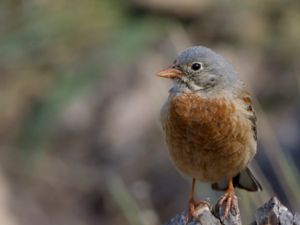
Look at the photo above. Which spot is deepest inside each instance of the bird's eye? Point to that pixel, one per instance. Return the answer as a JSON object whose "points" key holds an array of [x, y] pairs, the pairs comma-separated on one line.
{"points": [[196, 66]]}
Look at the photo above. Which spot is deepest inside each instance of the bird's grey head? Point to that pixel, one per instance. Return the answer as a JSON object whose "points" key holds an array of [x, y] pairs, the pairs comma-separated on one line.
{"points": [[200, 69]]}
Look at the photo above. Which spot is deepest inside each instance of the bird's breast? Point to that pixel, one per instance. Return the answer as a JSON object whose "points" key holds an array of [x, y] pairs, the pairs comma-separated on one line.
{"points": [[208, 138]]}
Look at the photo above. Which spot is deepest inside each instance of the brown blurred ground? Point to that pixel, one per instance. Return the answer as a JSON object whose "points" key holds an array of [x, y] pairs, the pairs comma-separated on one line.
{"points": [[80, 136]]}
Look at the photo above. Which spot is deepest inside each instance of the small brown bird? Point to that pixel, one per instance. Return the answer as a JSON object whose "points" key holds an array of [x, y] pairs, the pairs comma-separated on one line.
{"points": [[209, 124]]}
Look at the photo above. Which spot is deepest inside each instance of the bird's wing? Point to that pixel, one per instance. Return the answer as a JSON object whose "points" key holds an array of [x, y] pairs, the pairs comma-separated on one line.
{"points": [[247, 108]]}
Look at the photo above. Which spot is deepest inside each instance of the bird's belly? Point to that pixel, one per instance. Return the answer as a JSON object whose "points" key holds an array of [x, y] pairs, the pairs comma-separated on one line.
{"points": [[207, 139]]}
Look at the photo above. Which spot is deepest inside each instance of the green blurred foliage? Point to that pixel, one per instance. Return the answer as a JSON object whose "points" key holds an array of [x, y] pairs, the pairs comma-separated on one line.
{"points": [[80, 138]]}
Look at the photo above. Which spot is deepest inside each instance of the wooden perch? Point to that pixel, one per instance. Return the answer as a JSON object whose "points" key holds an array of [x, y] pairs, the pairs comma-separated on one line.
{"points": [[271, 213]]}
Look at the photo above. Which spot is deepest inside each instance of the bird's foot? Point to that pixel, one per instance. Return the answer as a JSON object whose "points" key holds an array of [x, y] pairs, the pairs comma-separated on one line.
{"points": [[195, 208], [229, 203]]}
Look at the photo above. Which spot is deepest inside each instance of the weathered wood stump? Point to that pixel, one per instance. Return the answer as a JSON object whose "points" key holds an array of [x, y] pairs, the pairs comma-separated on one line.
{"points": [[271, 213]]}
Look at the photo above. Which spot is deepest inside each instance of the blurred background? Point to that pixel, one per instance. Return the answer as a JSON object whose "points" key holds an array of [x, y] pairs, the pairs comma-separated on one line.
{"points": [[80, 137]]}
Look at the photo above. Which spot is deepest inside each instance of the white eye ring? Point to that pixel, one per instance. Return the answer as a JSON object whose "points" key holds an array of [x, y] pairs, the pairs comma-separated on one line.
{"points": [[196, 66]]}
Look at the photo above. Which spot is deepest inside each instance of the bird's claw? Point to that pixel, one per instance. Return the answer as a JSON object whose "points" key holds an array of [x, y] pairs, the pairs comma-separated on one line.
{"points": [[229, 200], [193, 209]]}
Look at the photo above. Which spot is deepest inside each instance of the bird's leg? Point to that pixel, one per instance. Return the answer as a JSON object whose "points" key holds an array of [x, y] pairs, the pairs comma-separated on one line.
{"points": [[229, 199], [193, 205]]}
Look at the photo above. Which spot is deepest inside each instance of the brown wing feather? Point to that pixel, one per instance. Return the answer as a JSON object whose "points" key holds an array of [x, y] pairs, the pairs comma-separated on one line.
{"points": [[251, 113]]}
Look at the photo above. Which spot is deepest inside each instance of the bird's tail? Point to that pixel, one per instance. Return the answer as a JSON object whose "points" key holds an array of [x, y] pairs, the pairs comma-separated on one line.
{"points": [[244, 180]]}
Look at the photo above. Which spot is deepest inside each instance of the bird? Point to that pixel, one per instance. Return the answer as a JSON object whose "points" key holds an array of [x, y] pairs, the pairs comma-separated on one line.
{"points": [[210, 124]]}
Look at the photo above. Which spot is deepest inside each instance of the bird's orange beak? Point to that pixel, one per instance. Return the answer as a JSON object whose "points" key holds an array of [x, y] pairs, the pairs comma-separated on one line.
{"points": [[170, 73]]}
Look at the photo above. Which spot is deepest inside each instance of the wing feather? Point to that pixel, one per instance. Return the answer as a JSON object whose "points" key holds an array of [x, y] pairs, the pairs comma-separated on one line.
{"points": [[250, 113]]}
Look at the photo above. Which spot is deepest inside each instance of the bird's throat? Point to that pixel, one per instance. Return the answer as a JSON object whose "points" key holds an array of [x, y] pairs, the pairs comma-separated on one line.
{"points": [[190, 84]]}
